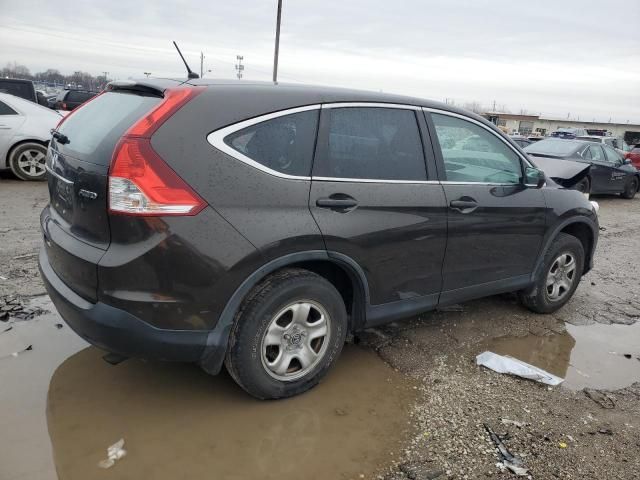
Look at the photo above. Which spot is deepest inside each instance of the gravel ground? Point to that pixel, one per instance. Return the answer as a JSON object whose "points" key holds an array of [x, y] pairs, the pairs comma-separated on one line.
{"points": [[556, 432]]}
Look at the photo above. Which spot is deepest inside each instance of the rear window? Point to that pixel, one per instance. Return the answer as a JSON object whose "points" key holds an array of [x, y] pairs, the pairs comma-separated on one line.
{"points": [[95, 128], [79, 96], [19, 89], [6, 109], [552, 147], [589, 139], [284, 144]]}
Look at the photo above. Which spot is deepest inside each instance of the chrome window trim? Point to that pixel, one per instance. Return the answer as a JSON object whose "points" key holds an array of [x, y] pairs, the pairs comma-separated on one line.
{"points": [[490, 184], [480, 124], [373, 180], [216, 139], [400, 106]]}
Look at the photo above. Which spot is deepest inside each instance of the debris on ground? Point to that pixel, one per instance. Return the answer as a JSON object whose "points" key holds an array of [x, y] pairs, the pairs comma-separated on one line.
{"points": [[513, 366], [506, 421], [114, 452], [601, 398], [12, 307], [509, 460], [15, 354]]}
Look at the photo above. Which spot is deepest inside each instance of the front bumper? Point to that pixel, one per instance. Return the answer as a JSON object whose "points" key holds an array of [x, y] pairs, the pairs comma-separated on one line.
{"points": [[116, 330]]}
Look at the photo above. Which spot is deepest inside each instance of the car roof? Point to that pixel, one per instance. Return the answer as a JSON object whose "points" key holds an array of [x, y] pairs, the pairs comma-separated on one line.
{"points": [[14, 80], [304, 93], [24, 106]]}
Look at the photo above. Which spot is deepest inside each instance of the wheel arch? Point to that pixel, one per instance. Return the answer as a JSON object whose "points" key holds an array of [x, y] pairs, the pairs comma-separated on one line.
{"points": [[22, 142], [340, 270], [583, 229]]}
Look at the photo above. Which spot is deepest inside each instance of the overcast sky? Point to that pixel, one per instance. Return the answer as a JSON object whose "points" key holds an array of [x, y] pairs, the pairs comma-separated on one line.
{"points": [[577, 57]]}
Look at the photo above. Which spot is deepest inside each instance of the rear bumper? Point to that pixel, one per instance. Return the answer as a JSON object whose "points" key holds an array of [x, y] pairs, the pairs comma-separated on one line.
{"points": [[116, 330]]}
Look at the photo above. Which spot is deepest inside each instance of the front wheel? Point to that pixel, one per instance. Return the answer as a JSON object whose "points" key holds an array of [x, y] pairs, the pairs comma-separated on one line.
{"points": [[27, 161], [288, 333], [559, 276], [630, 189]]}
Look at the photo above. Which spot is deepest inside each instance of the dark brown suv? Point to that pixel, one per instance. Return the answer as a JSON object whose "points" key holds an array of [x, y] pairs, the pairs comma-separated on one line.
{"points": [[255, 225]]}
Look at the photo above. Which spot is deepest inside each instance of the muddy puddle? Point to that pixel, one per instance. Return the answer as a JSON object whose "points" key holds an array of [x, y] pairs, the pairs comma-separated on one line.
{"points": [[595, 356], [178, 422]]}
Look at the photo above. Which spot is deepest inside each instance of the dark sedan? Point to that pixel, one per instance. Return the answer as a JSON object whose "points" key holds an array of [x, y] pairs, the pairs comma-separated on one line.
{"points": [[609, 172]]}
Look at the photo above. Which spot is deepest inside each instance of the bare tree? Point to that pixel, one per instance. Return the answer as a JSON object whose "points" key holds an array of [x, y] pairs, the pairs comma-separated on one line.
{"points": [[475, 107]]}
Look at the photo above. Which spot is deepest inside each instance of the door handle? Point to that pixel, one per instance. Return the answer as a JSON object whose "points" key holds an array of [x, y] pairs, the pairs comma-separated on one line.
{"points": [[463, 206], [337, 203]]}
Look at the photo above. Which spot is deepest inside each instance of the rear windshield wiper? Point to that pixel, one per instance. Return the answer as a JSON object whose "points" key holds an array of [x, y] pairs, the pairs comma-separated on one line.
{"points": [[60, 137]]}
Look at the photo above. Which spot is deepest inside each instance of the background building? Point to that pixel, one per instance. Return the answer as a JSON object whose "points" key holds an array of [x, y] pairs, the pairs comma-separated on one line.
{"points": [[535, 124]]}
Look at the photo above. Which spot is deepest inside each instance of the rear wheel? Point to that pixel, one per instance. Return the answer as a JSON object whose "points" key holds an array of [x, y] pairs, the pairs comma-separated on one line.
{"points": [[630, 189], [559, 277], [27, 161], [288, 333]]}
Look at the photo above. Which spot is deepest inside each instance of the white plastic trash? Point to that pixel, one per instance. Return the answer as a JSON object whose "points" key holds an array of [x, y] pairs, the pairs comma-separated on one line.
{"points": [[507, 364]]}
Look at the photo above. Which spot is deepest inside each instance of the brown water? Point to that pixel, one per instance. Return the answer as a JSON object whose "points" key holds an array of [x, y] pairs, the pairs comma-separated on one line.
{"points": [[178, 422], [585, 356]]}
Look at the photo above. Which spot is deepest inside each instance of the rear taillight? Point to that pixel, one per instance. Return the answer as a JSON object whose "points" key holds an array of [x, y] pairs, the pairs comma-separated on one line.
{"points": [[140, 182]]}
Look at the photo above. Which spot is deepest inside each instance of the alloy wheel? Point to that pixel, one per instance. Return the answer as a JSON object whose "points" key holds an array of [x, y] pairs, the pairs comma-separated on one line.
{"points": [[31, 162], [560, 277], [295, 340]]}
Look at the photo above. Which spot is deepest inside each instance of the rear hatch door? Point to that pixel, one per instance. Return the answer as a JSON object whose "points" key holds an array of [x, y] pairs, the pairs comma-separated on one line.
{"points": [[78, 165]]}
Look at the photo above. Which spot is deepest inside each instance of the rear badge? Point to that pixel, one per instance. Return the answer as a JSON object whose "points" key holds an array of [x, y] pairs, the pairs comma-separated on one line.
{"points": [[87, 194]]}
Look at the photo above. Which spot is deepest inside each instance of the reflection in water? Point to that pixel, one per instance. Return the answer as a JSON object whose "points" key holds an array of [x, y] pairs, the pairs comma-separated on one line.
{"points": [[585, 356], [178, 422], [548, 352]]}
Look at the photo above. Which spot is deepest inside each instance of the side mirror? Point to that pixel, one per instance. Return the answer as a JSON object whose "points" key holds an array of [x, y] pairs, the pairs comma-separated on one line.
{"points": [[626, 161], [534, 177]]}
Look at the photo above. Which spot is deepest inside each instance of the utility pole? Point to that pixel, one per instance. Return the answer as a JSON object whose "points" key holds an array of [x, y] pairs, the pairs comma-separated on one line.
{"points": [[201, 64], [147, 74], [239, 66], [277, 48], [494, 105], [105, 75]]}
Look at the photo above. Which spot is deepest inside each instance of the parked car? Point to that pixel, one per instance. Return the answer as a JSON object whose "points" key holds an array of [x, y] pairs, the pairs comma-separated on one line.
{"points": [[24, 134], [71, 99], [521, 141], [614, 142], [569, 132], [20, 88], [610, 172], [634, 156], [255, 225]]}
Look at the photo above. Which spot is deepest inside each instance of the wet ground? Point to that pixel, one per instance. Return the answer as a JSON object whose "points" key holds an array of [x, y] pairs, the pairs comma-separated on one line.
{"points": [[406, 402]]}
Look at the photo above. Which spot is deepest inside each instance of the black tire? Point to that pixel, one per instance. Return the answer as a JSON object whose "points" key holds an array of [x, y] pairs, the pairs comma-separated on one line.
{"points": [[246, 355], [630, 189], [27, 161], [538, 299], [583, 186]]}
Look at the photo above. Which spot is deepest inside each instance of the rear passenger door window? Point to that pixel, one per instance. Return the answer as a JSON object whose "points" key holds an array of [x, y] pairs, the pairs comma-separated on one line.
{"points": [[612, 156], [6, 109], [372, 143], [283, 144], [472, 154], [596, 153]]}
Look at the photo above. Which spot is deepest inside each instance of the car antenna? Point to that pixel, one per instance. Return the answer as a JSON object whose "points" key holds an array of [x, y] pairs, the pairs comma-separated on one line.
{"points": [[190, 73]]}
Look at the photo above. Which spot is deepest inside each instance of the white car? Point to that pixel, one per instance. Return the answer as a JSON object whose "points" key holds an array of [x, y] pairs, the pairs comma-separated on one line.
{"points": [[25, 130]]}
